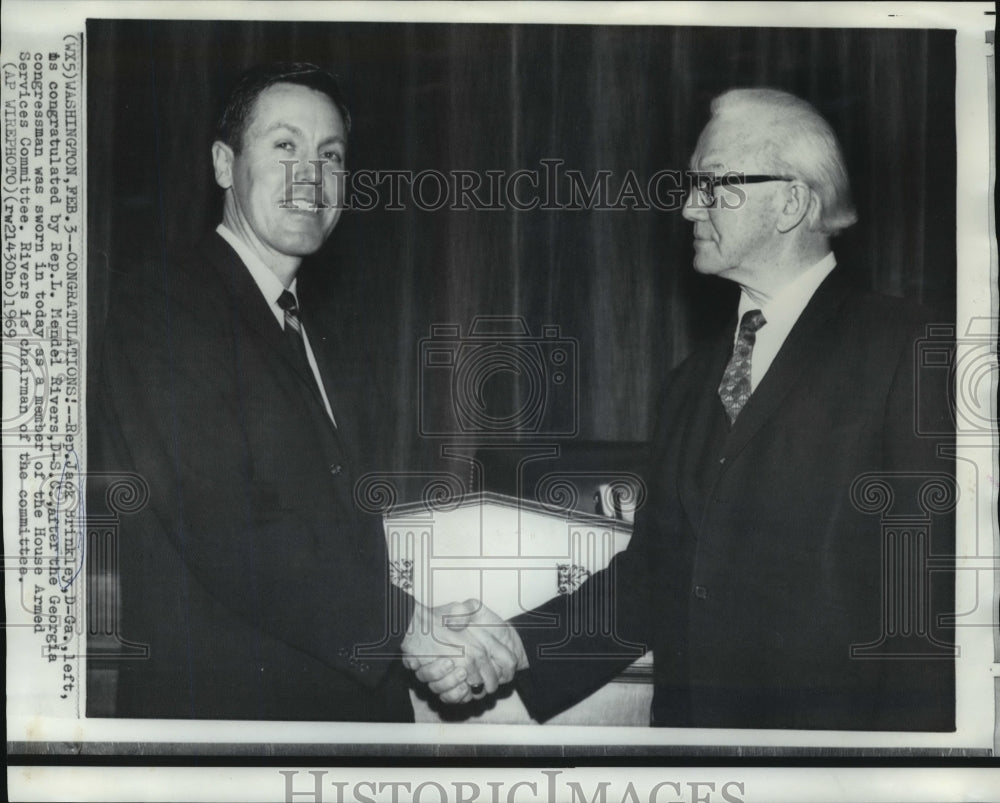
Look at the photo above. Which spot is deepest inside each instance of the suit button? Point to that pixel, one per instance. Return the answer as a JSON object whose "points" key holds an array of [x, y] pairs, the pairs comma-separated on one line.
{"points": [[701, 592], [335, 469], [722, 461]]}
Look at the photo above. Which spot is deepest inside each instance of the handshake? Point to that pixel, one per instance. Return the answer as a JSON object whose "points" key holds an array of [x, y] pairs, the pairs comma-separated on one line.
{"points": [[462, 651]]}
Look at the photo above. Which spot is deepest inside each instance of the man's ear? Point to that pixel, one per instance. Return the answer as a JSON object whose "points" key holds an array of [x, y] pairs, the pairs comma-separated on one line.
{"points": [[798, 202], [222, 161]]}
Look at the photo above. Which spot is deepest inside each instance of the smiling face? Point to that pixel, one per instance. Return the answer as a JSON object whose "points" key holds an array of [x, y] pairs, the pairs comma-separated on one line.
{"points": [[285, 211], [736, 243]]}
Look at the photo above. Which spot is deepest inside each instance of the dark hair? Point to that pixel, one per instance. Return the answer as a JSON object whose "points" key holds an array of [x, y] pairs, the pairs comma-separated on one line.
{"points": [[232, 123]]}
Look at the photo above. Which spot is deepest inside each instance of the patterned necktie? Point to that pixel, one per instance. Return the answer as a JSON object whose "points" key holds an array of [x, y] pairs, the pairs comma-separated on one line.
{"points": [[735, 387], [293, 332]]}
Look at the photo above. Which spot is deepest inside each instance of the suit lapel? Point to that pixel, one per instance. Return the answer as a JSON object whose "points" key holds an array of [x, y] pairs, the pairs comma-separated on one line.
{"points": [[802, 348], [346, 428], [255, 313], [254, 318], [246, 296], [699, 429]]}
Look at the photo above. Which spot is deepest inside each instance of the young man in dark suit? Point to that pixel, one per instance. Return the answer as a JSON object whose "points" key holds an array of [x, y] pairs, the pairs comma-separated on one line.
{"points": [[760, 573], [259, 587]]}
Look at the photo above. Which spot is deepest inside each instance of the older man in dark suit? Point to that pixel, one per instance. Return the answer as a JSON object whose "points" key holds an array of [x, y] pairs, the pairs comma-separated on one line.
{"points": [[769, 594], [258, 586]]}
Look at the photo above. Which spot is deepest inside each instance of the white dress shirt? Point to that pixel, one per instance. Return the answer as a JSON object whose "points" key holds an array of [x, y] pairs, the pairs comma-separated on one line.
{"points": [[781, 312], [271, 288]]}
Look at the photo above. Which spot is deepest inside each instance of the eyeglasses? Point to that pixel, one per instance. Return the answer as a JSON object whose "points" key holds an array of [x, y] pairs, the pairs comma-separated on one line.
{"points": [[703, 185]]}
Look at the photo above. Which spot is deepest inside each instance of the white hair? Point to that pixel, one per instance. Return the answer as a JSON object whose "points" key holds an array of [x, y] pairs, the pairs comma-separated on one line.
{"points": [[795, 140]]}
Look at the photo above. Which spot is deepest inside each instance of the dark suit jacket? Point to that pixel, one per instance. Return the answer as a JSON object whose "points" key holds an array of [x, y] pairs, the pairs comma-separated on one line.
{"points": [[251, 575], [752, 573]]}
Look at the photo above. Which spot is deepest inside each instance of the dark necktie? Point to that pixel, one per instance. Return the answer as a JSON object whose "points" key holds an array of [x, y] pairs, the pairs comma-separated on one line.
{"points": [[294, 335], [734, 389]]}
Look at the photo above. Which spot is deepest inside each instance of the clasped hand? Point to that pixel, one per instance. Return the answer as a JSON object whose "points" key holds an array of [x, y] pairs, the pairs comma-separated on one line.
{"points": [[462, 651]]}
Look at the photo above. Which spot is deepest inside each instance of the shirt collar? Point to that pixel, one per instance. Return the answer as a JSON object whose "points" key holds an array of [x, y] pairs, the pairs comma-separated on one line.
{"points": [[269, 285], [783, 309]]}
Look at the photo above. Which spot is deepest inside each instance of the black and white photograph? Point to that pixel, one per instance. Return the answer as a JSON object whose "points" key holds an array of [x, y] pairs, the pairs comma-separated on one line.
{"points": [[455, 385]]}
